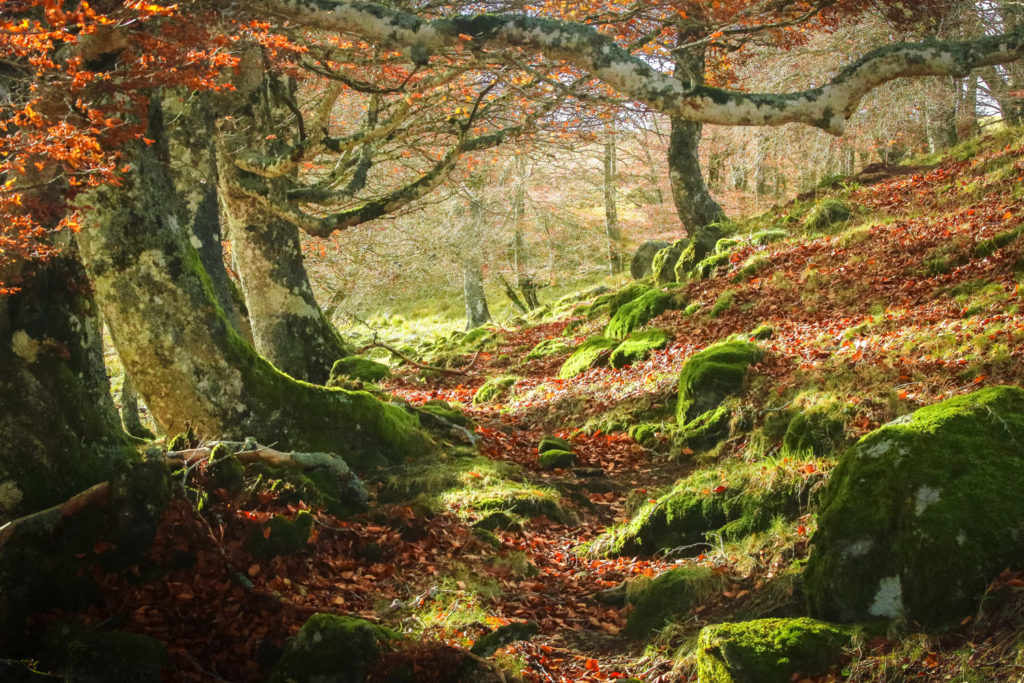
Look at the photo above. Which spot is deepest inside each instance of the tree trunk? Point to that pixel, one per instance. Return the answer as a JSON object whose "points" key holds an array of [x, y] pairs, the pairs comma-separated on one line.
{"points": [[694, 204], [941, 116], [59, 430], [288, 327], [189, 364], [520, 258], [472, 273], [611, 213]]}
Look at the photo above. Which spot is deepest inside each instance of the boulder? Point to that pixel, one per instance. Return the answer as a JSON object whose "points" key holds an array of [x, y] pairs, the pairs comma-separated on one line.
{"points": [[671, 595], [331, 649], [635, 314], [550, 442], [494, 389], [637, 347], [827, 215], [921, 514], [556, 459], [360, 368], [590, 354], [664, 264], [768, 650], [640, 266], [712, 375]]}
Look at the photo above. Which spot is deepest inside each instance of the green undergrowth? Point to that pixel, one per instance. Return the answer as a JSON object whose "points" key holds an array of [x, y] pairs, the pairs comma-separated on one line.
{"points": [[474, 487]]}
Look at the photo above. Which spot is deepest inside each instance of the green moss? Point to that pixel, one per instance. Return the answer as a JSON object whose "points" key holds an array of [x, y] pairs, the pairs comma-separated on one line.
{"points": [[769, 650], [281, 536], [556, 459], [986, 248], [498, 521], [727, 244], [548, 347], [754, 265], [706, 430], [827, 215], [819, 431], [359, 368], [761, 332], [226, 471], [115, 656], [637, 313], [711, 375], [671, 595], [550, 442], [723, 303], [920, 514], [637, 347], [711, 264], [645, 434], [768, 236], [444, 410], [479, 338], [664, 264], [630, 292], [494, 389], [332, 648], [503, 635], [734, 501], [592, 353]]}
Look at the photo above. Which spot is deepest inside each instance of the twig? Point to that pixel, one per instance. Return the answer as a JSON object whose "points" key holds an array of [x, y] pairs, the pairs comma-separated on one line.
{"points": [[51, 516]]}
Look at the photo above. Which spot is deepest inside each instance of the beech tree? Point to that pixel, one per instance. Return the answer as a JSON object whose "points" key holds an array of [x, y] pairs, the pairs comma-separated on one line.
{"points": [[87, 145]]}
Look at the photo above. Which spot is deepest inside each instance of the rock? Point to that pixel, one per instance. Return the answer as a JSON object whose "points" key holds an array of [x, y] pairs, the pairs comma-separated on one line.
{"points": [[548, 347], [827, 214], [357, 367], [672, 595], [281, 536], [700, 247], [712, 375], [550, 442], [818, 431], [637, 347], [591, 353], [503, 635], [664, 264], [332, 649], [493, 389], [768, 650], [556, 459], [100, 656], [733, 502], [640, 265], [444, 410], [637, 313], [922, 513]]}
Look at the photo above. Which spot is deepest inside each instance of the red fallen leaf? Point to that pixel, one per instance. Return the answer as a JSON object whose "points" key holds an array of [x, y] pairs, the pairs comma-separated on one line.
{"points": [[801, 530], [720, 489], [903, 394], [687, 451], [592, 665]]}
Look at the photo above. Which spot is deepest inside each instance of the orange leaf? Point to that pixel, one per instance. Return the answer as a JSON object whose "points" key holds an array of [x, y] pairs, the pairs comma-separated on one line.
{"points": [[592, 665]]}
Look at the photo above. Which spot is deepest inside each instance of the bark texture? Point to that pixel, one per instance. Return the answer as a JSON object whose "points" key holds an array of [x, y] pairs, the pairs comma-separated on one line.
{"points": [[59, 429], [477, 312], [188, 361], [611, 212]]}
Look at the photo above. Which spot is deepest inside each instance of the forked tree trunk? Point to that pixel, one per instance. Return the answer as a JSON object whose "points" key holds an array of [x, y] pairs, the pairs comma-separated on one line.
{"points": [[187, 361], [59, 428], [288, 326], [694, 204]]}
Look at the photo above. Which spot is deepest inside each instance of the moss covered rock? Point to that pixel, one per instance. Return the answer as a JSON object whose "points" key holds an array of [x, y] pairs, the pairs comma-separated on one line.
{"points": [[280, 535], [768, 236], [768, 650], [637, 313], [700, 247], [922, 513], [637, 347], [734, 501], [592, 353], [357, 367], [548, 347], [332, 649], [446, 411], [556, 459], [549, 442], [818, 431], [827, 214], [710, 265], [664, 264], [494, 389], [640, 266], [712, 375], [100, 656], [672, 595]]}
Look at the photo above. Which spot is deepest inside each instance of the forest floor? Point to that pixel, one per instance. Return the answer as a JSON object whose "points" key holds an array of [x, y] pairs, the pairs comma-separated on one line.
{"points": [[895, 310]]}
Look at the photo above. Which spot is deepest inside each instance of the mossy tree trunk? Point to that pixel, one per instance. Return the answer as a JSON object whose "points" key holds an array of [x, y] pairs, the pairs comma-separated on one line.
{"points": [[59, 429], [611, 213], [187, 361], [694, 204], [520, 255], [288, 326]]}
